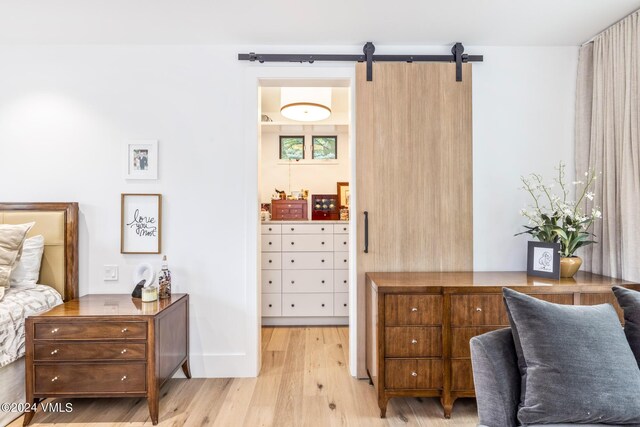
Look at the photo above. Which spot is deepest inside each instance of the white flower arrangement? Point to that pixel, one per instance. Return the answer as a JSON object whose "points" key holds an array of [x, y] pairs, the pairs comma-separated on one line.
{"points": [[555, 219]]}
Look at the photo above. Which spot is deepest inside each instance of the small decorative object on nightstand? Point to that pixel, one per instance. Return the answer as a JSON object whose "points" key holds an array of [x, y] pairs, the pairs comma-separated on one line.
{"points": [[77, 349], [164, 280]]}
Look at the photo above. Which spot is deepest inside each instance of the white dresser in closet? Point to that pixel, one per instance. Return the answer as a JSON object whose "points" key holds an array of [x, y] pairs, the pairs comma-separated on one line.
{"points": [[305, 273]]}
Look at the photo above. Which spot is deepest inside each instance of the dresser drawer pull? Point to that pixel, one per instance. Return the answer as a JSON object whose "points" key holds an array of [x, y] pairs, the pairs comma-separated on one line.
{"points": [[322, 260], [53, 331], [54, 379], [414, 309], [270, 229], [293, 260], [414, 342], [345, 304], [291, 228], [344, 281], [344, 243], [414, 374], [270, 261], [124, 330], [323, 281], [293, 282], [322, 229], [293, 305], [54, 351], [270, 243], [270, 282], [478, 309], [123, 378], [124, 350], [293, 243], [345, 260], [270, 305], [323, 305]]}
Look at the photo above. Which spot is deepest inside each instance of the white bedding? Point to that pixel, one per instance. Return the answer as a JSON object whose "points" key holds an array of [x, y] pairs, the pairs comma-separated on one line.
{"points": [[15, 307]]}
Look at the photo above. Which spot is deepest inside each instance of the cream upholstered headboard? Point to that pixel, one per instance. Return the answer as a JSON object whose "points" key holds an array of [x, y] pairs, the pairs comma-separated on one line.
{"points": [[58, 223]]}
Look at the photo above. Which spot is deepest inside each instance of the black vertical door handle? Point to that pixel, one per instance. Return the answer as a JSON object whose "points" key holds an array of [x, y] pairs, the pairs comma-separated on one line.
{"points": [[366, 232]]}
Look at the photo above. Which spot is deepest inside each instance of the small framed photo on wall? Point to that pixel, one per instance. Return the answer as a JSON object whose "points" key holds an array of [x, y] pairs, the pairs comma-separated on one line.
{"points": [[142, 160], [141, 223], [543, 260]]}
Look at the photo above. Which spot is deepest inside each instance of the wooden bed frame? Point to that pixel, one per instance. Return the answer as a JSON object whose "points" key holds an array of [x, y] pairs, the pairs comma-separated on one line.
{"points": [[63, 276]]}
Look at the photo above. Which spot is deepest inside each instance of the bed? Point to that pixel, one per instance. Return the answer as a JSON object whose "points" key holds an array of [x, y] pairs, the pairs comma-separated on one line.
{"points": [[58, 223]]}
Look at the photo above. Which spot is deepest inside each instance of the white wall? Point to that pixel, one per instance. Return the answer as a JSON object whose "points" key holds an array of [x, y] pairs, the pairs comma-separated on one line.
{"points": [[317, 176], [66, 111]]}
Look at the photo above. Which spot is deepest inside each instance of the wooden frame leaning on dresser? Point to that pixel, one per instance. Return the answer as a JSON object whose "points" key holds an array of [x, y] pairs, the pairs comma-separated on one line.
{"points": [[418, 325], [70, 211]]}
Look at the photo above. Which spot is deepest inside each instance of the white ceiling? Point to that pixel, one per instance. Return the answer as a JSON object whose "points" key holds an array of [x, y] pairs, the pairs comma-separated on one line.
{"points": [[304, 22]]}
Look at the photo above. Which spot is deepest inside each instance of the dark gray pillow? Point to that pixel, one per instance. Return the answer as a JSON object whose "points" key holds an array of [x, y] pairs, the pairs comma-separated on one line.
{"points": [[576, 366], [630, 302]]}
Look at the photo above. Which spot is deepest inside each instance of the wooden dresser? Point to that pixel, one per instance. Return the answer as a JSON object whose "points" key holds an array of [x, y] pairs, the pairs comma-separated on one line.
{"points": [[418, 325], [289, 210], [106, 346]]}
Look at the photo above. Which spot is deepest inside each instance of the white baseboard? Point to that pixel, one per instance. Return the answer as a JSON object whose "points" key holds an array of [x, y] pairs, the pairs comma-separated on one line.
{"points": [[220, 366]]}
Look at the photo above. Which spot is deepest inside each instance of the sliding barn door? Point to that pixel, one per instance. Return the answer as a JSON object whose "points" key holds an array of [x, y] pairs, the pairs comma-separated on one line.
{"points": [[413, 172]]}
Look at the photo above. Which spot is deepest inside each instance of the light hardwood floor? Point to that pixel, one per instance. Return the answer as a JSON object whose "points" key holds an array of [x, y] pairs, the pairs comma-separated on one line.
{"points": [[304, 382]]}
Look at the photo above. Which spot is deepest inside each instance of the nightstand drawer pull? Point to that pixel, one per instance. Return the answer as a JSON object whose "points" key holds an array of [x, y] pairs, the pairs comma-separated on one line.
{"points": [[123, 351], [123, 378], [478, 309], [414, 341], [54, 351], [125, 330], [414, 374], [53, 331], [414, 309], [54, 379]]}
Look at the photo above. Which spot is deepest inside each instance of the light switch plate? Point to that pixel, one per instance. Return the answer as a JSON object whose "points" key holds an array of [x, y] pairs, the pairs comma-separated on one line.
{"points": [[110, 273]]}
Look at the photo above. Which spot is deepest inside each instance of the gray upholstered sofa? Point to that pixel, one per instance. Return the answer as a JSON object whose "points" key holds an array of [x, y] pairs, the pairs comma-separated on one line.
{"points": [[497, 379]]}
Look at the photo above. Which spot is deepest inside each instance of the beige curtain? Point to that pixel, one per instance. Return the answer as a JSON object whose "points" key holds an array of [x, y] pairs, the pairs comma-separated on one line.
{"points": [[608, 140]]}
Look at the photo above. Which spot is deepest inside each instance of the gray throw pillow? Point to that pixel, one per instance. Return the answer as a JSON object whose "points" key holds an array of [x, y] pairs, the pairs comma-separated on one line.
{"points": [[576, 364], [630, 302]]}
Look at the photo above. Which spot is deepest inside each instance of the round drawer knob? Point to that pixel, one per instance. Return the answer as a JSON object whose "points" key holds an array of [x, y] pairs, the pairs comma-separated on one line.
{"points": [[293, 305], [414, 374], [414, 341], [270, 261], [292, 261], [323, 281], [293, 282], [54, 379], [414, 309], [125, 330], [478, 309], [291, 228], [344, 281], [124, 350], [344, 243], [53, 331], [270, 282], [269, 228], [344, 304], [323, 305], [322, 243], [293, 243], [123, 378], [270, 305], [345, 260], [322, 260], [322, 229], [270, 243], [54, 351]]}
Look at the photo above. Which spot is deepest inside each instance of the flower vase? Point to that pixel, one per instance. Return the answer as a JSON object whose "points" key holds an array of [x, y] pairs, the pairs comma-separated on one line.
{"points": [[569, 266]]}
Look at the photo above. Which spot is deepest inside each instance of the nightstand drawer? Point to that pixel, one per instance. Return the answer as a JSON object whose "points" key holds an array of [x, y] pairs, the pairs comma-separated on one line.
{"points": [[66, 351], [90, 330], [90, 378]]}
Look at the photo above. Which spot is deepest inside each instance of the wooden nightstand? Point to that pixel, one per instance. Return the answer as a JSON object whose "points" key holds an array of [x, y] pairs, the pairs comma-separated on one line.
{"points": [[106, 346]]}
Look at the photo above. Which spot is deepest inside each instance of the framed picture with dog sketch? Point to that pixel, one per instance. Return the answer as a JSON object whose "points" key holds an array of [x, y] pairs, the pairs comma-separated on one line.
{"points": [[543, 260]]}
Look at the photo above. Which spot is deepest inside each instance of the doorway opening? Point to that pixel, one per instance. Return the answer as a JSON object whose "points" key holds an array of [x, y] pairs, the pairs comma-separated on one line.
{"points": [[306, 273]]}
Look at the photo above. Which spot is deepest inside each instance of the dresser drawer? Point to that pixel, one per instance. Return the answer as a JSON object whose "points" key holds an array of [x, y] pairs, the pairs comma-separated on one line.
{"points": [[93, 378], [307, 305], [341, 228], [413, 341], [271, 228], [413, 309], [460, 338], [489, 310], [271, 260], [413, 374], [307, 243], [271, 305], [271, 243], [307, 260], [341, 242], [341, 304], [306, 281], [271, 281], [90, 330], [341, 280], [341, 260], [307, 229], [66, 351], [462, 375]]}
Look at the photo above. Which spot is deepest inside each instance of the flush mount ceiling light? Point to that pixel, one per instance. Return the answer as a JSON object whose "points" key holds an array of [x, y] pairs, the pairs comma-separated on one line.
{"points": [[305, 104]]}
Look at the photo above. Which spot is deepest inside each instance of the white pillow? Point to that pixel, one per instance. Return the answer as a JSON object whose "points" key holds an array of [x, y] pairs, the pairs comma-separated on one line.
{"points": [[26, 272]]}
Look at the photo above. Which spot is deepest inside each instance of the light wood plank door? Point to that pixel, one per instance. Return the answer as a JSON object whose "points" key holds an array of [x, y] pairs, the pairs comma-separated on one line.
{"points": [[413, 172]]}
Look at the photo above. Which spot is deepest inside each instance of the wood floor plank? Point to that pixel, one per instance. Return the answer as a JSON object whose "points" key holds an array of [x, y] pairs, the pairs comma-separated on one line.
{"points": [[294, 362]]}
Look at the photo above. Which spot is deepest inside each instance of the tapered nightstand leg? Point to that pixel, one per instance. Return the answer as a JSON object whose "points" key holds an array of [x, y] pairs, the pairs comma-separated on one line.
{"points": [[28, 416], [154, 407], [186, 369]]}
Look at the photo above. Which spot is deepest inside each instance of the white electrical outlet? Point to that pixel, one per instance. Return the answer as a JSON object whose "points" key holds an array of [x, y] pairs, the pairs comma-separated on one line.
{"points": [[110, 273]]}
